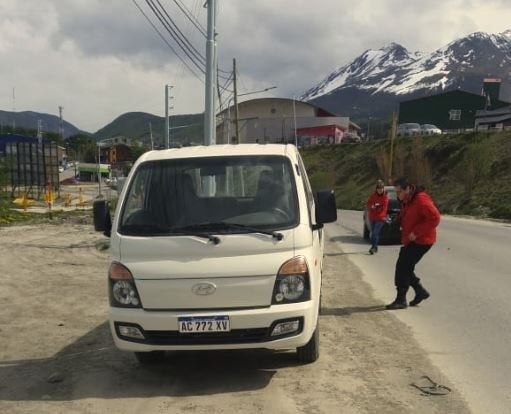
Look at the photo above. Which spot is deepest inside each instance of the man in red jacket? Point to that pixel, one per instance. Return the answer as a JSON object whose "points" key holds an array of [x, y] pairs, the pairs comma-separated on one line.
{"points": [[419, 220], [377, 209]]}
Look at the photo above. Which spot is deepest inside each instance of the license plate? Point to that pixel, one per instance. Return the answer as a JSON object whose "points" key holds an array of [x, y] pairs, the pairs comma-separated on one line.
{"points": [[193, 324]]}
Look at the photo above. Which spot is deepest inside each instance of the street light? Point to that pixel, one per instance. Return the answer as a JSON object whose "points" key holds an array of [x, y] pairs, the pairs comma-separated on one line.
{"points": [[229, 108]]}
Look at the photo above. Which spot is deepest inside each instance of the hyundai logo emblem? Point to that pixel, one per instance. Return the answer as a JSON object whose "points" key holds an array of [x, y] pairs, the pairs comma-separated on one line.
{"points": [[204, 289]]}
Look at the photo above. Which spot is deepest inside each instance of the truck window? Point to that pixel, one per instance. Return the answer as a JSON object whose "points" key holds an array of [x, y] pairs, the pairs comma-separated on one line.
{"points": [[167, 195]]}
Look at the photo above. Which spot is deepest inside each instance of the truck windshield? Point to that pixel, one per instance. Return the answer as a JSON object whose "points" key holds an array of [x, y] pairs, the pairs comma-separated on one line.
{"points": [[170, 196]]}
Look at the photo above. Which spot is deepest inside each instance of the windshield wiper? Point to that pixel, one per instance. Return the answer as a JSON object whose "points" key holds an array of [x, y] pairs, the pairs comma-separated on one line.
{"points": [[224, 225], [190, 231], [155, 230]]}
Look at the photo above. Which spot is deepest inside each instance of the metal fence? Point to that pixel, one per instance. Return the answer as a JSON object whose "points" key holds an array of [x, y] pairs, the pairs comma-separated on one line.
{"points": [[32, 168]]}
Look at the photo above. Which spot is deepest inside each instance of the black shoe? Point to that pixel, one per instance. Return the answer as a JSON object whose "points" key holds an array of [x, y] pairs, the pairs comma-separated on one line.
{"points": [[372, 250], [421, 295], [397, 304], [376, 249]]}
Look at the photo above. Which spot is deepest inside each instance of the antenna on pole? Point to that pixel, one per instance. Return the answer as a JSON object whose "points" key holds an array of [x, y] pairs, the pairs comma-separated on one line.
{"points": [[61, 123]]}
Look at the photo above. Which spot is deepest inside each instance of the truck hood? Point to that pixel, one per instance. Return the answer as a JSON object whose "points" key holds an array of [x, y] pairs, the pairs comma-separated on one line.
{"points": [[242, 269]]}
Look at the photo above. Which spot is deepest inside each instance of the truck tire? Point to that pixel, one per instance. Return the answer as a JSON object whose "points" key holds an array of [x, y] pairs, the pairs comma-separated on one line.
{"points": [[150, 358], [309, 352]]}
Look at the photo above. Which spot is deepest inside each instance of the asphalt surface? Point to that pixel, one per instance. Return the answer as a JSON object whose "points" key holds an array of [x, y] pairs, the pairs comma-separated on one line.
{"points": [[466, 324]]}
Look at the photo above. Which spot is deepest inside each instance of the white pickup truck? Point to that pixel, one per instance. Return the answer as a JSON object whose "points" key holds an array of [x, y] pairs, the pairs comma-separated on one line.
{"points": [[217, 247]]}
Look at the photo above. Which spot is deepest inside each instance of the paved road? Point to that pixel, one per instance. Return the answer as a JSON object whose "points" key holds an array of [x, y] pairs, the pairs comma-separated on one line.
{"points": [[466, 325]]}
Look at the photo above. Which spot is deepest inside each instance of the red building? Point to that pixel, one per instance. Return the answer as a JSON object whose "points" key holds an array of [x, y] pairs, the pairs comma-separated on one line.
{"points": [[326, 134]]}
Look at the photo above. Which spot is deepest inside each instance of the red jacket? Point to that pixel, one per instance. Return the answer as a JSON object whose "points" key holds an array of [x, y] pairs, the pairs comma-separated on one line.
{"points": [[377, 206], [420, 216]]}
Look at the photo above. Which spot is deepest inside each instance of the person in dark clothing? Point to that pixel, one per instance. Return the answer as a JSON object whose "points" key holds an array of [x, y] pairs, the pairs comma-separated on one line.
{"points": [[419, 220], [377, 208]]}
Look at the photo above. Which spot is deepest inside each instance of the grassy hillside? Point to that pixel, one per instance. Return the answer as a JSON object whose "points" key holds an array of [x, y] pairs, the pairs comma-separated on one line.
{"points": [[27, 120], [136, 125], [466, 174]]}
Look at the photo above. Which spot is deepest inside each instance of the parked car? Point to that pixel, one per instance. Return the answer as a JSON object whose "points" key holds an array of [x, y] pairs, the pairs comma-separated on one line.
{"points": [[69, 181], [351, 138], [216, 247], [408, 130], [429, 129], [391, 231]]}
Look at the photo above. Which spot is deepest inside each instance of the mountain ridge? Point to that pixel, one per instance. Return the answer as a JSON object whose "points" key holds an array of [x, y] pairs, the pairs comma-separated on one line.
{"points": [[392, 73], [29, 119]]}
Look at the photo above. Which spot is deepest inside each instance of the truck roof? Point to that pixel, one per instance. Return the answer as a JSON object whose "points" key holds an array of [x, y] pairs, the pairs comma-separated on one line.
{"points": [[220, 150]]}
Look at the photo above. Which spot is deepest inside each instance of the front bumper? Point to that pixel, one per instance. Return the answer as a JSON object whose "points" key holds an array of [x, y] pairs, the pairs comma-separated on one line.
{"points": [[250, 328]]}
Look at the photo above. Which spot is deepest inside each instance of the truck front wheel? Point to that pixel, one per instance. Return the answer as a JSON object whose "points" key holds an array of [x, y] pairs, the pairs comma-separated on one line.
{"points": [[310, 352]]}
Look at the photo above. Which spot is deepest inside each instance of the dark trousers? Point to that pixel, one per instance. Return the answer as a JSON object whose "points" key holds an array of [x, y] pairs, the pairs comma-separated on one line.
{"points": [[409, 256]]}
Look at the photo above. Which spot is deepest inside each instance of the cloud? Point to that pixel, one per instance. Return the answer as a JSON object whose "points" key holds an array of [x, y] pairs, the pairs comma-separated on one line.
{"points": [[101, 58]]}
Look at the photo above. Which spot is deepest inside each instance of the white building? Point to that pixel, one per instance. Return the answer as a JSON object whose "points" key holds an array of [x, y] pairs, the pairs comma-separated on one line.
{"points": [[274, 120]]}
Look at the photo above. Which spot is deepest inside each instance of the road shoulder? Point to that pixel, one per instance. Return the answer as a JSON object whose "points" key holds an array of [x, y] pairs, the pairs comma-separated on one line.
{"points": [[373, 347]]}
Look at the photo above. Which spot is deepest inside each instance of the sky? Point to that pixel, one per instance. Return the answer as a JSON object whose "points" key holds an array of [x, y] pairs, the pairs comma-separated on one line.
{"points": [[101, 58]]}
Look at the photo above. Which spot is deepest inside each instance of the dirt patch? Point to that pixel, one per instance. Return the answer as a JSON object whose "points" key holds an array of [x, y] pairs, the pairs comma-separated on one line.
{"points": [[57, 356]]}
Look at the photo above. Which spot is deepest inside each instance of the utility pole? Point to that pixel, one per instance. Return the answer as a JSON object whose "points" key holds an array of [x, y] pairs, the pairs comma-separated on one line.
{"points": [[294, 118], [40, 130], [392, 136], [211, 71], [151, 135], [236, 109], [61, 123], [168, 106]]}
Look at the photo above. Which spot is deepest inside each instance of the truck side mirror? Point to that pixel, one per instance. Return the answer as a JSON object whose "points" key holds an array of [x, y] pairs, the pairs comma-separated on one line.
{"points": [[102, 219], [326, 209]]}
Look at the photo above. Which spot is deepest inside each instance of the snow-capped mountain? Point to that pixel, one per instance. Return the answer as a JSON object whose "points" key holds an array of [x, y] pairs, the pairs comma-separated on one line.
{"points": [[392, 73]]}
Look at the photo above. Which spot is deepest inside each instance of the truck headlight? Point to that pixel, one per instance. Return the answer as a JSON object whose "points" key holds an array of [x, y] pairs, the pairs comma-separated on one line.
{"points": [[122, 290], [292, 283]]}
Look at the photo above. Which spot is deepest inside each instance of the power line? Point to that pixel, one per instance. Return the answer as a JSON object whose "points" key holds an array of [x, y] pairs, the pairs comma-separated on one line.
{"points": [[172, 28], [191, 17], [182, 37], [169, 29], [188, 31], [180, 34], [167, 43]]}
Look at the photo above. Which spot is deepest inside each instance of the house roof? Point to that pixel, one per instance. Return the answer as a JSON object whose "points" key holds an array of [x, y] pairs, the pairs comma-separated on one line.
{"points": [[452, 92], [320, 111]]}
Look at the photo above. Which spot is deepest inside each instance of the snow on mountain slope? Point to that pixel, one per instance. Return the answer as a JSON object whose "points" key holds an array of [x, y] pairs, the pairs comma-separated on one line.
{"points": [[394, 70]]}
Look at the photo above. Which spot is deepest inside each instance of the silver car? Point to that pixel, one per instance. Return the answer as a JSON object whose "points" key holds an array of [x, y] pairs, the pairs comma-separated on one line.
{"points": [[430, 129], [408, 130]]}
